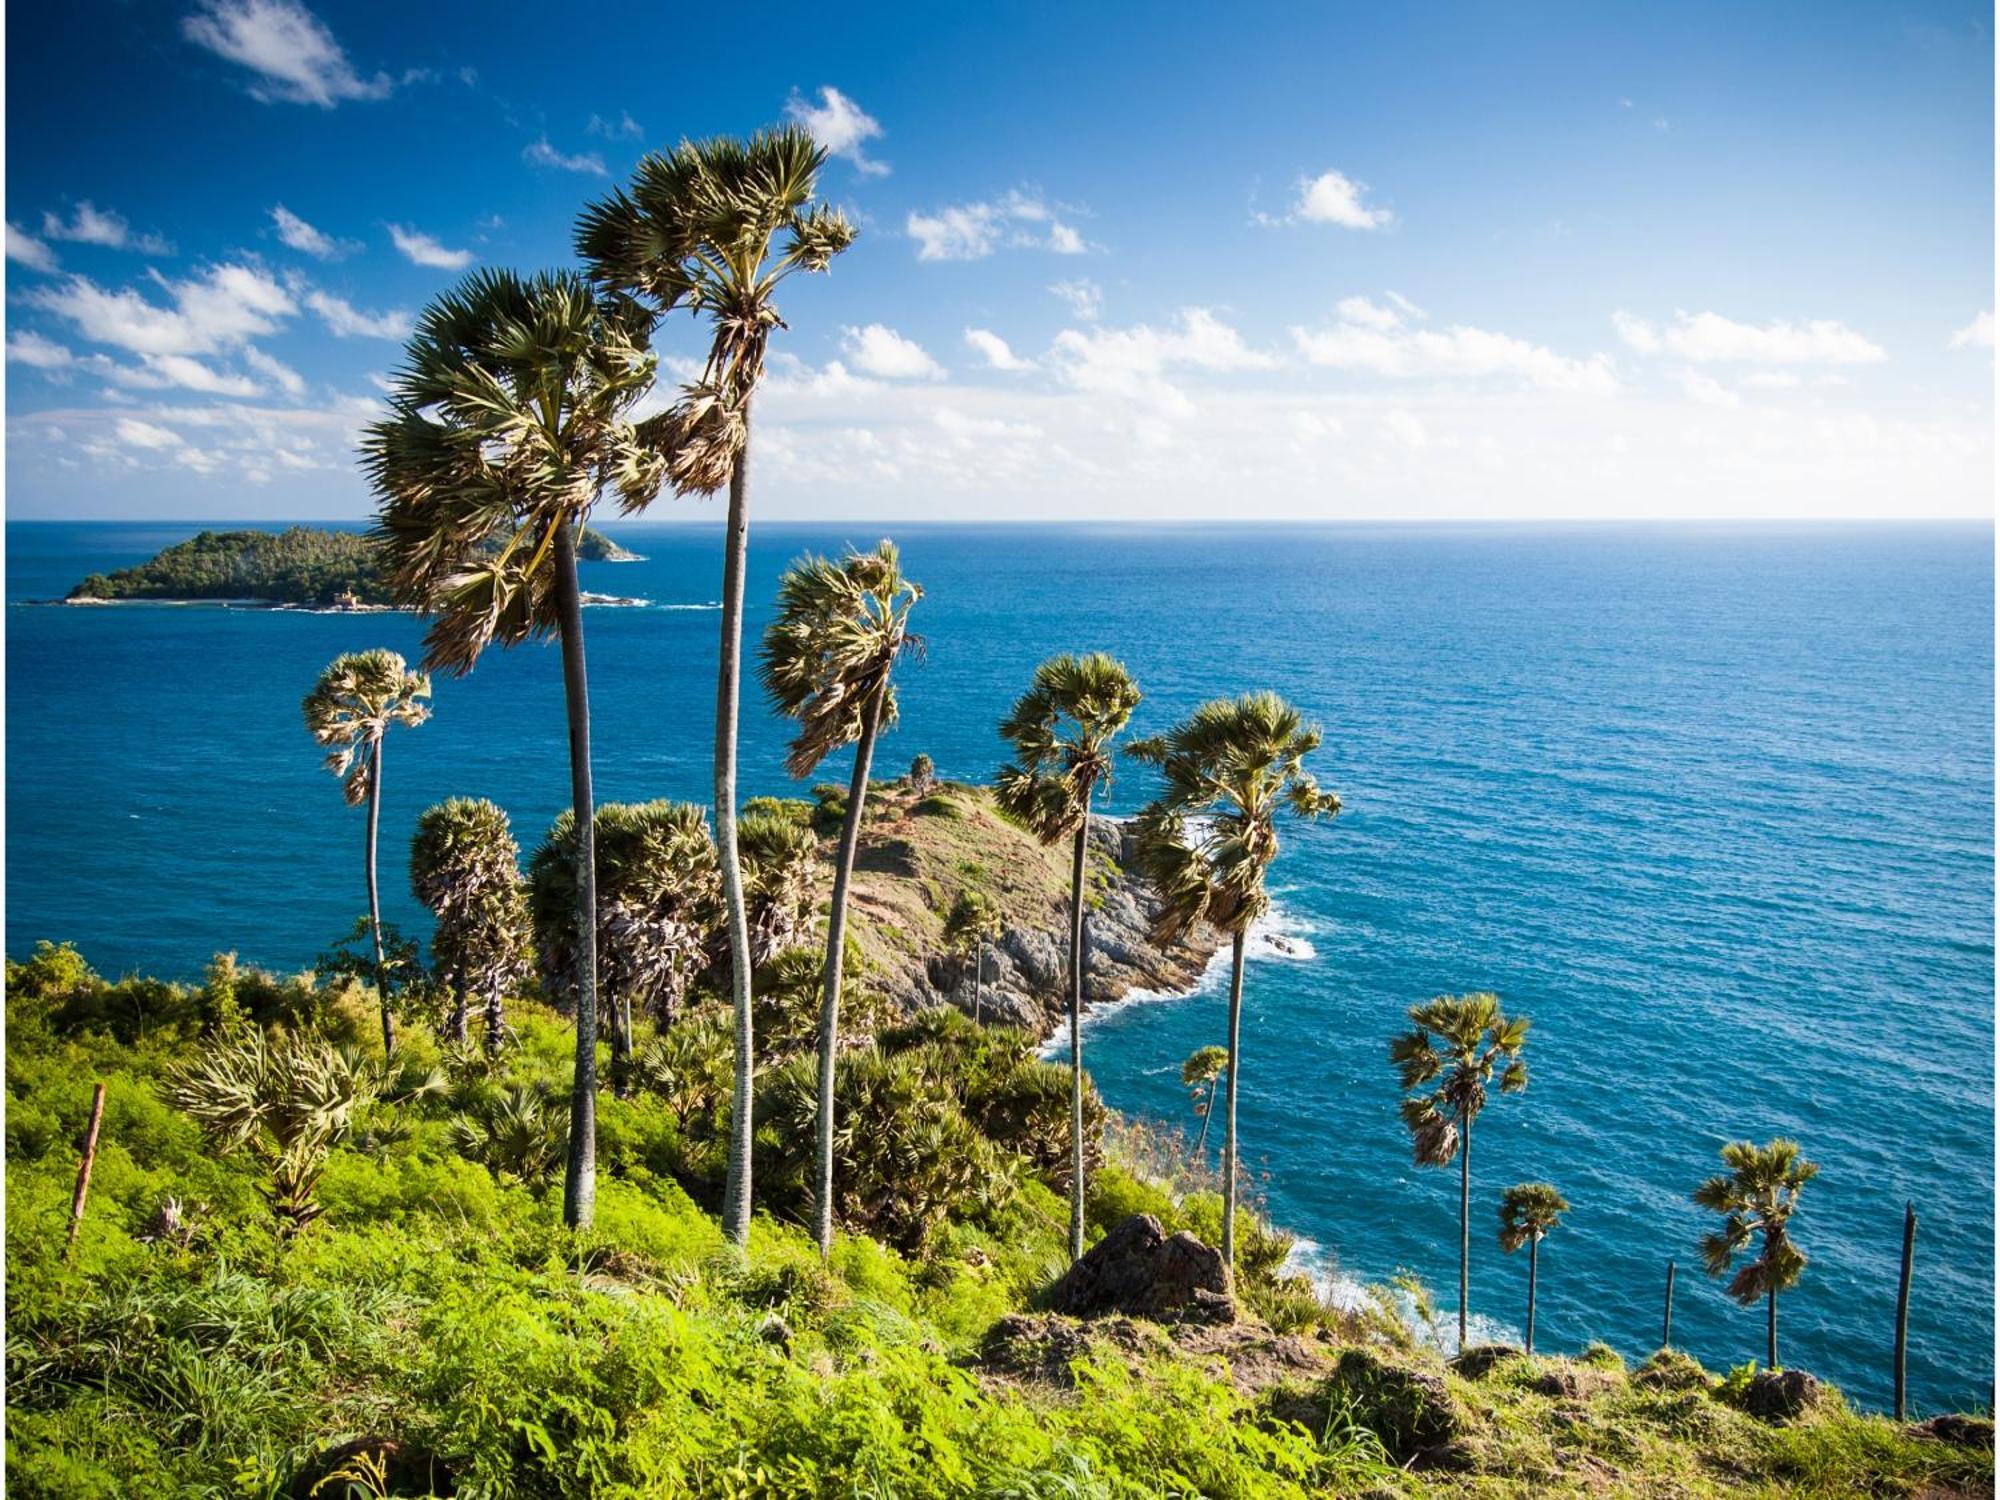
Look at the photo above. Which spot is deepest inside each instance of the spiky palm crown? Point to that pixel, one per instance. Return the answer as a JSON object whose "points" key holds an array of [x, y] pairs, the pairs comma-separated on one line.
{"points": [[972, 920], [1529, 1210], [1458, 1041], [1061, 729], [1204, 1066], [357, 698], [1206, 841], [1756, 1198], [466, 867], [507, 420], [713, 228], [780, 858], [828, 654]]}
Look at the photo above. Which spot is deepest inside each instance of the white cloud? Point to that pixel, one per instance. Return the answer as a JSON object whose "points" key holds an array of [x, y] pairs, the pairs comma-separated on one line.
{"points": [[541, 154], [994, 350], [1335, 198], [90, 225], [420, 249], [295, 58], [973, 231], [1710, 338], [136, 434], [24, 249], [1707, 389], [344, 320], [277, 371], [1406, 427], [158, 371], [1085, 298], [29, 348], [1770, 380], [1066, 241], [220, 310], [1373, 339], [1366, 314], [1978, 334], [621, 129], [1133, 362], [302, 236], [881, 351], [840, 125]]}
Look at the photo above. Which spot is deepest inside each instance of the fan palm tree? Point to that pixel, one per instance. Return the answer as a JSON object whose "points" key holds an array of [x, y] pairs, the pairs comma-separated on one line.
{"points": [[713, 228], [1061, 729], [826, 663], [1529, 1210], [1206, 842], [1461, 1040], [349, 711], [780, 880], [1202, 1074], [466, 867], [1757, 1199], [509, 418], [972, 923]]}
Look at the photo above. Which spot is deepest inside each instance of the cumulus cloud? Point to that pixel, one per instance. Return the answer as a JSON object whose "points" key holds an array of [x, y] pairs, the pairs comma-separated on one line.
{"points": [[541, 154], [994, 350], [1707, 389], [1333, 198], [29, 348], [219, 310], [840, 125], [25, 250], [1085, 298], [344, 320], [295, 58], [1710, 338], [880, 351], [973, 231], [420, 249], [301, 236], [1133, 362], [1375, 339], [90, 225], [1978, 334]]}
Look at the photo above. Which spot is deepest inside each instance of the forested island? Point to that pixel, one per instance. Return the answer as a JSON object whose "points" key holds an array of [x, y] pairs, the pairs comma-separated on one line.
{"points": [[303, 566]]}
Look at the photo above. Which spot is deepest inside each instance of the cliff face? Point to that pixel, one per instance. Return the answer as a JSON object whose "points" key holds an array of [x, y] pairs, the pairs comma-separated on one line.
{"points": [[919, 852]]}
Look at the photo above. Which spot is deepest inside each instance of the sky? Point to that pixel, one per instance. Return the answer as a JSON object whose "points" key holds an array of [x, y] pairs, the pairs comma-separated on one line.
{"points": [[1117, 262]]}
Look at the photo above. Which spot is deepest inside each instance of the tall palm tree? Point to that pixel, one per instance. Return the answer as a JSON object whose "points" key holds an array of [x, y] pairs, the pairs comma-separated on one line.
{"points": [[1461, 1040], [349, 710], [509, 418], [1529, 1210], [713, 228], [826, 662], [466, 867], [1757, 1199], [1206, 842], [1202, 1074], [1061, 729]]}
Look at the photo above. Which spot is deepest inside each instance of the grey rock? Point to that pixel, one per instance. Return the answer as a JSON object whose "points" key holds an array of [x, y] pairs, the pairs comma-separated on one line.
{"points": [[1140, 1270]]}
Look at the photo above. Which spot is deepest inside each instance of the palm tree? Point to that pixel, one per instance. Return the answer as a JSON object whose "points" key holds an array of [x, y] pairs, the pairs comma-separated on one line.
{"points": [[508, 419], [466, 867], [349, 710], [1529, 1210], [1757, 1199], [972, 923], [1472, 1038], [1207, 841], [780, 857], [1202, 1074], [826, 662], [1061, 729], [713, 228]]}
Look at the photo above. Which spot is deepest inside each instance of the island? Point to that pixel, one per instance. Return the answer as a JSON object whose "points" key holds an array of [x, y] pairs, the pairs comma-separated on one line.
{"points": [[308, 567]]}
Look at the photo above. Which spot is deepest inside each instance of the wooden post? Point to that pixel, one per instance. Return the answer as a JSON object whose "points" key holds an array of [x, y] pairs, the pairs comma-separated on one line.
{"points": [[1667, 1332], [83, 1171], [1903, 1302]]}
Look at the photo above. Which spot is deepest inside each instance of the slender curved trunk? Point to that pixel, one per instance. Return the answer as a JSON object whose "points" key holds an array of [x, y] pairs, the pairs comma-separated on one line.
{"points": [[1207, 1111], [1229, 1110], [1534, 1250], [728, 676], [1076, 966], [978, 980], [1903, 1301], [580, 1179], [1771, 1327], [829, 1000], [1464, 1222], [375, 898], [460, 1008]]}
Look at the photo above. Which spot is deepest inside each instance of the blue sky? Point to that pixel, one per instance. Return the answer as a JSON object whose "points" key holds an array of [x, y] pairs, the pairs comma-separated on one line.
{"points": [[1140, 262]]}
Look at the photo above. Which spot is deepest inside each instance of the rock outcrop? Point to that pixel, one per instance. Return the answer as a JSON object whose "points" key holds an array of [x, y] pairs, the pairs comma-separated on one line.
{"points": [[1140, 1270], [1781, 1395]]}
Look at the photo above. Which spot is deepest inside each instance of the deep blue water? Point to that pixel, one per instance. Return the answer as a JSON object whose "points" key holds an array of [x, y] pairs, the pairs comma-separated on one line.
{"points": [[1714, 807]]}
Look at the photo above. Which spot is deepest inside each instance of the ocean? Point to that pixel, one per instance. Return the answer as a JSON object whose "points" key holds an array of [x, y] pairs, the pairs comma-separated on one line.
{"points": [[1713, 806]]}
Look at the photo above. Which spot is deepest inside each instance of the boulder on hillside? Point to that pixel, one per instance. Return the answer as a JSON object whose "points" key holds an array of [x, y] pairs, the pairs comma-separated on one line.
{"points": [[1476, 1362], [1959, 1431], [1672, 1370], [1410, 1410], [1142, 1271], [1781, 1395]]}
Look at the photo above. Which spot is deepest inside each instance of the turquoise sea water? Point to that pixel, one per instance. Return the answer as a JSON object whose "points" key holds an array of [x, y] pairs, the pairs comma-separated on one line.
{"points": [[1714, 807]]}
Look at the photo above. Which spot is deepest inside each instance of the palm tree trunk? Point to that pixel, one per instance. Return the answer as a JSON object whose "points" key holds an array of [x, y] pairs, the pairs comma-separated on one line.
{"points": [[580, 1179], [978, 980], [1464, 1222], [1229, 1110], [1076, 961], [729, 671], [375, 899], [829, 1002], [1207, 1113], [494, 1024], [1771, 1327], [1534, 1250], [459, 1013]]}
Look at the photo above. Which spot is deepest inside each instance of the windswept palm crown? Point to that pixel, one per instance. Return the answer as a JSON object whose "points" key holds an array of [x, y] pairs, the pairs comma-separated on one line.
{"points": [[1231, 765], [828, 653], [780, 880], [1061, 729], [507, 420], [1529, 1210], [357, 698], [713, 228], [1461, 1040], [1756, 1199]]}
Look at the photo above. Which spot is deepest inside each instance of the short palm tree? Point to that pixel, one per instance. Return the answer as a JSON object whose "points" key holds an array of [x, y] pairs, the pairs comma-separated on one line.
{"points": [[510, 416], [1529, 1210], [349, 711], [466, 867], [972, 923], [780, 857], [826, 663], [1061, 729], [1202, 1074], [713, 228], [1461, 1040], [1206, 842], [1757, 1200]]}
